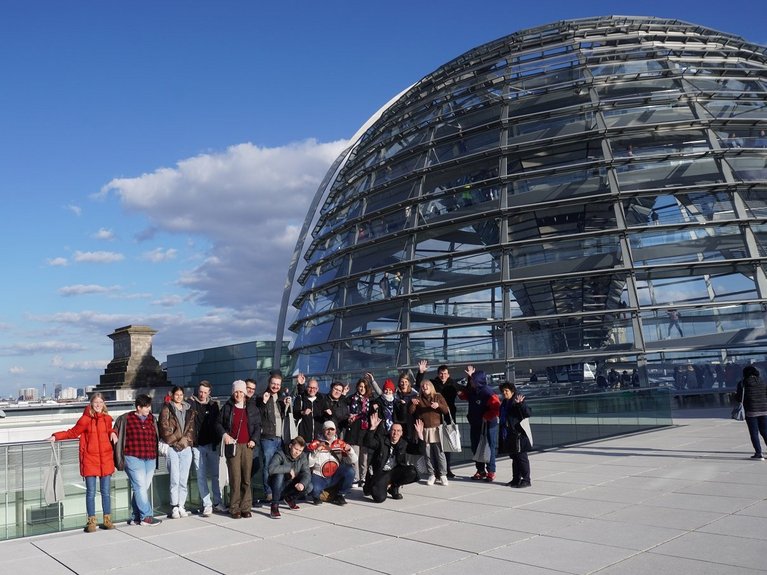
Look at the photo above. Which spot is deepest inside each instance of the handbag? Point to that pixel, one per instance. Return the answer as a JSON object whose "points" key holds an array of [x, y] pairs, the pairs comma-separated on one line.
{"points": [[230, 450], [482, 453], [739, 412], [450, 437], [223, 470], [53, 481], [289, 427]]}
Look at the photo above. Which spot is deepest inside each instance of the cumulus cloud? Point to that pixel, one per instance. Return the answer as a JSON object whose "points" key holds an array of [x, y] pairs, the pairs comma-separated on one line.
{"points": [[249, 202], [60, 262], [104, 234], [16, 370], [86, 289], [76, 210], [99, 257], [158, 255]]}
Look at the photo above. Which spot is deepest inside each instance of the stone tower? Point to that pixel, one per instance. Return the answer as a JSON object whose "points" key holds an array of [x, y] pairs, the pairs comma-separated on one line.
{"points": [[133, 366]]}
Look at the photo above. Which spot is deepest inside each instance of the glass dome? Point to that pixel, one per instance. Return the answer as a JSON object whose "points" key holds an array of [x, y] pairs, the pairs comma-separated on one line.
{"points": [[579, 197]]}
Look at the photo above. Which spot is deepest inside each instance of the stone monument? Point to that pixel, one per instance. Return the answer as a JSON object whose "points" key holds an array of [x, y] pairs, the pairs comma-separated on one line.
{"points": [[133, 369]]}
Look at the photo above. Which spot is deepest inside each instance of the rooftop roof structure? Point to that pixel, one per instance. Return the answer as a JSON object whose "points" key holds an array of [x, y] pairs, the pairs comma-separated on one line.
{"points": [[589, 192]]}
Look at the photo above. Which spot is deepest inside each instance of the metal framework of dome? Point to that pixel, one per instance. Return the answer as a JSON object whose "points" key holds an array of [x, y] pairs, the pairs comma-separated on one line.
{"points": [[590, 192]]}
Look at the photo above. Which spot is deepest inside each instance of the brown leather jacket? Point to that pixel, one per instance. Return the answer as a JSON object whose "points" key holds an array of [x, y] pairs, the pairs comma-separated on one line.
{"points": [[170, 427]]}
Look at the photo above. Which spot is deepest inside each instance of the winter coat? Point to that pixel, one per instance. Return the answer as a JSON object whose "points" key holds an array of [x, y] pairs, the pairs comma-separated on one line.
{"points": [[205, 422], [425, 412], [755, 396], [282, 463], [226, 417], [360, 409], [340, 412], [268, 421], [511, 436], [311, 424], [96, 456], [448, 390], [170, 426], [379, 443], [483, 403]]}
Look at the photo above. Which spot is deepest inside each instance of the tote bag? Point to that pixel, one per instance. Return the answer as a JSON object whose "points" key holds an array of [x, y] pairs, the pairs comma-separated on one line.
{"points": [[739, 412], [482, 453], [450, 437], [53, 481], [289, 427]]}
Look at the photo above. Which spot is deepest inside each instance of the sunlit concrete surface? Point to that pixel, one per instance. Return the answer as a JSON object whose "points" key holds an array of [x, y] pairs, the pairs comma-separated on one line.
{"points": [[685, 499]]}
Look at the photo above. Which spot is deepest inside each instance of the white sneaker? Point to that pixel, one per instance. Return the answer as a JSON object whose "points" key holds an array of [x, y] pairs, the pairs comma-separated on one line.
{"points": [[443, 481], [183, 512], [221, 508], [431, 480], [207, 511], [175, 513]]}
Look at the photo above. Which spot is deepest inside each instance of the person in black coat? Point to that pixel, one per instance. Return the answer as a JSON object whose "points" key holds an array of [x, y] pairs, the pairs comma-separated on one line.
{"points": [[239, 425], [335, 407], [753, 391], [307, 409], [513, 438], [389, 468]]}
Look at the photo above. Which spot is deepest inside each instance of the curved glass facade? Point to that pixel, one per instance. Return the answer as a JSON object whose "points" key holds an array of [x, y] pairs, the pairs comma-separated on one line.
{"points": [[582, 196]]}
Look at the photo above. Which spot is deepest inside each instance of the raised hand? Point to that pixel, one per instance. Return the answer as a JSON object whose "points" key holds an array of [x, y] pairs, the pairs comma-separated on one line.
{"points": [[423, 365]]}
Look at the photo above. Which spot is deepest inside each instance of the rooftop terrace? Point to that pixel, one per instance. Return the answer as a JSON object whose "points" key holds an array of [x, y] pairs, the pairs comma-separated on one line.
{"points": [[685, 499]]}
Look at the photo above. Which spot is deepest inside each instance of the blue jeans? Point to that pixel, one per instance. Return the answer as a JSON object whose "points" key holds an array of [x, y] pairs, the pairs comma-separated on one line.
{"points": [[343, 477], [90, 494], [282, 486], [269, 447], [206, 465], [492, 438], [140, 473], [756, 426], [179, 463]]}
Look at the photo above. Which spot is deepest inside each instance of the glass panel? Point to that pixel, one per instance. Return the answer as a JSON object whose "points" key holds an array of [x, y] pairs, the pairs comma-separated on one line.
{"points": [[620, 117], [663, 287], [669, 173], [462, 345], [558, 186], [689, 245], [748, 167], [457, 271]]}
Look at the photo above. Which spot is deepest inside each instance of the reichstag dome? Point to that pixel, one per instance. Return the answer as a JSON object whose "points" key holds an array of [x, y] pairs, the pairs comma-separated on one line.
{"points": [[566, 201]]}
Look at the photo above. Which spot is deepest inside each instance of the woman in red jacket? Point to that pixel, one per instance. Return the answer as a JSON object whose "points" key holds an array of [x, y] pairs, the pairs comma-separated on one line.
{"points": [[94, 428]]}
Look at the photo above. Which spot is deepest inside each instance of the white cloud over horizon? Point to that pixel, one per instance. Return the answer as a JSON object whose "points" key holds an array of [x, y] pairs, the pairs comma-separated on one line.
{"points": [[85, 289]]}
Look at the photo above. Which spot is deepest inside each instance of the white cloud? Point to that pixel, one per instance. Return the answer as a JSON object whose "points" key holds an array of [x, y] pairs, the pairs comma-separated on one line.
{"points": [[76, 210], [158, 255], [249, 202], [16, 370], [104, 234], [169, 301], [58, 362], [58, 262], [85, 289], [99, 257], [39, 347]]}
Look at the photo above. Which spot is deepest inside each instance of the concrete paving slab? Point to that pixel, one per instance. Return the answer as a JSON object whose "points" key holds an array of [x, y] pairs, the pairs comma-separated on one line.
{"points": [[648, 564], [725, 549], [563, 555], [617, 533]]}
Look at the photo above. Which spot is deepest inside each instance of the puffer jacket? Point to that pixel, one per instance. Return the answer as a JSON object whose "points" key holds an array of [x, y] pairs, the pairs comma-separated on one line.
{"points": [[96, 457], [170, 426], [755, 396]]}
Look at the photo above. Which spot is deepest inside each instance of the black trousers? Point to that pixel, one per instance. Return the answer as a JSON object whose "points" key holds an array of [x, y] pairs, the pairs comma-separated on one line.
{"points": [[396, 477], [520, 467]]}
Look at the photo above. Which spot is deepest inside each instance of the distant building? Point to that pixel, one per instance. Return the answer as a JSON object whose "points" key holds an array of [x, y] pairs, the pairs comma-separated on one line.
{"points": [[29, 394], [68, 393], [222, 365]]}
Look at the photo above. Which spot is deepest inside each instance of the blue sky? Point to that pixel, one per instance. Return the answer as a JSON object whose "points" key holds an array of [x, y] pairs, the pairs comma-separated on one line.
{"points": [[157, 158]]}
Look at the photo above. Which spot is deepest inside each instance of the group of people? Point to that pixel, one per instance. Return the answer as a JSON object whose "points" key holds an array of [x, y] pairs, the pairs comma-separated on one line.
{"points": [[310, 446]]}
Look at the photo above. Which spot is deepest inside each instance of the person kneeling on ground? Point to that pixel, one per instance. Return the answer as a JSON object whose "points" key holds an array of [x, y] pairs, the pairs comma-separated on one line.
{"points": [[389, 469], [332, 461], [289, 475]]}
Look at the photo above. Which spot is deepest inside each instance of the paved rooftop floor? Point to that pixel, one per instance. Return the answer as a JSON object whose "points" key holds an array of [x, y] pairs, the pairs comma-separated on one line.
{"points": [[685, 499]]}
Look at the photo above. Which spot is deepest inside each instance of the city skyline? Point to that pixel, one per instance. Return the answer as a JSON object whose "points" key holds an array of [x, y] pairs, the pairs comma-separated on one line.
{"points": [[124, 121]]}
